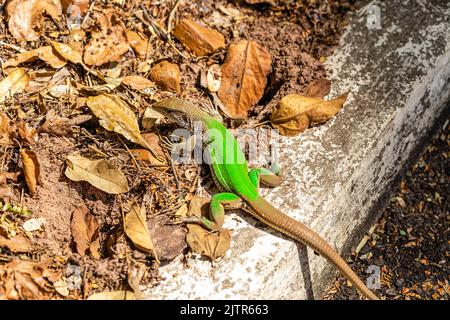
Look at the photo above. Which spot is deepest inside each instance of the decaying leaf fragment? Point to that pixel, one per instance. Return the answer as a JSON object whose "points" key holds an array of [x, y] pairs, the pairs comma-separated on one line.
{"points": [[31, 168], [84, 231], [100, 173], [115, 116], [15, 82], [26, 279], [109, 43], [25, 17], [244, 77], [318, 88], [138, 82], [6, 129], [135, 226], [46, 53], [295, 113], [68, 52], [16, 244], [113, 295], [199, 39]]}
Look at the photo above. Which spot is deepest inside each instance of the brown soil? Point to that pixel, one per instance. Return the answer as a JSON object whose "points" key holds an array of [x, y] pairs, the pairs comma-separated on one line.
{"points": [[298, 34]]}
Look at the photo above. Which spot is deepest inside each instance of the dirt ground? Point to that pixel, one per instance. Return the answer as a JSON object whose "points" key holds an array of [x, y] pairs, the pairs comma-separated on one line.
{"points": [[298, 34], [410, 243]]}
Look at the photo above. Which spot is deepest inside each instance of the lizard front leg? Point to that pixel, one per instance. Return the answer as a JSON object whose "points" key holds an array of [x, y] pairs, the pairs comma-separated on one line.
{"points": [[266, 177]]}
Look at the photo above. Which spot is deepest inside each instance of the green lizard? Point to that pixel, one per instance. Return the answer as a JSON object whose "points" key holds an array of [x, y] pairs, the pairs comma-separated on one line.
{"points": [[232, 176]]}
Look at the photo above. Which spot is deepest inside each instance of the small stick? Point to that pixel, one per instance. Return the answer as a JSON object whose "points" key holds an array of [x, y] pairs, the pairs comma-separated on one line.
{"points": [[91, 7], [171, 17]]}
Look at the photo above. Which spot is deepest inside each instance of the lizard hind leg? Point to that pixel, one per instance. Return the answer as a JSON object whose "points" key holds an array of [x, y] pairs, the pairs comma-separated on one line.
{"points": [[266, 177], [217, 210]]}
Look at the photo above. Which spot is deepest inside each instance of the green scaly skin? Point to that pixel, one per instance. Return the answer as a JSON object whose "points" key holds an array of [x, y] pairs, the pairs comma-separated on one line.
{"points": [[232, 175]]}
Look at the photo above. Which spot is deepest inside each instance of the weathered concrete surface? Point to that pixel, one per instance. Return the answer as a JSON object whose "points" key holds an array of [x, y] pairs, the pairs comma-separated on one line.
{"points": [[399, 78]]}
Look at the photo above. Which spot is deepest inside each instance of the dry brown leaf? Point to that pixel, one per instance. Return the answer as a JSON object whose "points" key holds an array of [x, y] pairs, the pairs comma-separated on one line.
{"points": [[47, 54], [6, 129], [5, 176], [115, 115], [296, 113], [31, 169], [198, 206], [25, 17], [135, 226], [17, 244], [166, 75], [26, 132], [138, 82], [150, 118], [153, 141], [319, 88], [207, 243], [138, 43], [25, 280], [16, 82], [109, 43], [199, 39], [84, 230], [244, 77], [5, 193], [113, 295], [61, 126], [68, 52], [100, 173]]}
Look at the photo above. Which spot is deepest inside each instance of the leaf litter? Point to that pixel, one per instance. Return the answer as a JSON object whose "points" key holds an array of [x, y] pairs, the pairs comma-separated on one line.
{"points": [[79, 139]]}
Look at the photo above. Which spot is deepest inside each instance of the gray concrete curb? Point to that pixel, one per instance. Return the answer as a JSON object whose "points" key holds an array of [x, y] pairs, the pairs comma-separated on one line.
{"points": [[398, 73]]}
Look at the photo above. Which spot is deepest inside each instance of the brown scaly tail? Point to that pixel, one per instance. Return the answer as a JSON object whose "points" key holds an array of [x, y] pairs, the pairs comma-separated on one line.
{"points": [[277, 220]]}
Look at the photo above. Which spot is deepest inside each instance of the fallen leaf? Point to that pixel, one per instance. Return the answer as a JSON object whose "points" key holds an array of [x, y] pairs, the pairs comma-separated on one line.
{"points": [[207, 243], [26, 280], [296, 113], [138, 82], [244, 77], [18, 244], [145, 155], [96, 89], [6, 129], [138, 43], [150, 118], [5, 193], [26, 132], [319, 88], [62, 90], [31, 169], [100, 173], [15, 82], [25, 17], [84, 229], [154, 141], [109, 43], [60, 126], [199, 39], [46, 53], [68, 52], [113, 295], [135, 226], [115, 116], [166, 75]]}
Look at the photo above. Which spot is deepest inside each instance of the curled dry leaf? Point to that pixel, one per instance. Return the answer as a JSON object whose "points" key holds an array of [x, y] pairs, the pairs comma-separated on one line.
{"points": [[150, 118], [16, 82], [138, 82], [113, 295], [68, 52], [296, 113], [197, 38], [138, 43], [47, 54], [31, 169], [26, 132], [244, 77], [319, 88], [25, 17], [18, 244], [135, 226], [6, 129], [115, 116], [109, 43], [210, 244], [26, 279], [166, 75], [100, 173], [84, 231]]}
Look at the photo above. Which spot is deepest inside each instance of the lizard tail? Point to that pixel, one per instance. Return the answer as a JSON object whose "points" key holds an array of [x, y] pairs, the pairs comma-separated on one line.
{"points": [[279, 221]]}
